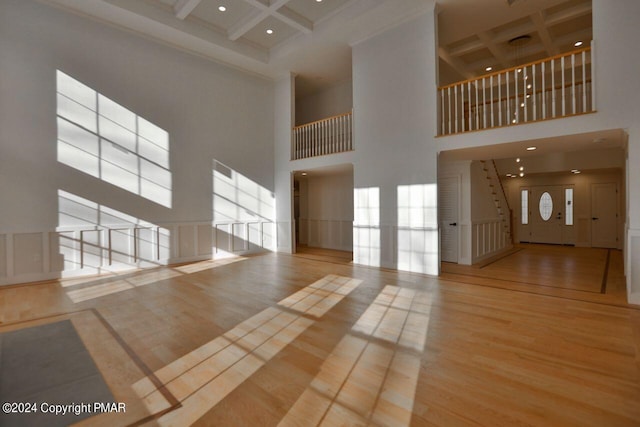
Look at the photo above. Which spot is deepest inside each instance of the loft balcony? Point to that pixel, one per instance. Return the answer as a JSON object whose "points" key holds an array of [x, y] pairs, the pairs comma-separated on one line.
{"points": [[551, 88], [327, 136]]}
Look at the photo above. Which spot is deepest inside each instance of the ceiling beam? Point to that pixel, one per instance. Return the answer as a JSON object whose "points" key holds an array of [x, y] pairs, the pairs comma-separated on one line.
{"points": [[262, 12], [543, 32], [293, 19], [183, 8], [245, 25], [495, 50], [455, 63]]}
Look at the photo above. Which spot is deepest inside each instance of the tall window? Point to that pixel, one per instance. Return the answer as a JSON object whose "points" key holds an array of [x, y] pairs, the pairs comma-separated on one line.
{"points": [[568, 208], [524, 203]]}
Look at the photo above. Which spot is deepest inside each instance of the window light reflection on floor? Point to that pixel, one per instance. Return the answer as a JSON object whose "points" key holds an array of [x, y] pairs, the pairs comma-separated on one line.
{"points": [[205, 376], [365, 380]]}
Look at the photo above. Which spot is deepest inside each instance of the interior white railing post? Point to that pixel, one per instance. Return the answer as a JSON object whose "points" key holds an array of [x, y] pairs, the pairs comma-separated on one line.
{"points": [[469, 106], [476, 108], [516, 118], [593, 77], [562, 87], [573, 83], [484, 104], [442, 131], [455, 101], [508, 121], [491, 99], [553, 88], [500, 100], [584, 81], [450, 118], [535, 96], [525, 87], [544, 93]]}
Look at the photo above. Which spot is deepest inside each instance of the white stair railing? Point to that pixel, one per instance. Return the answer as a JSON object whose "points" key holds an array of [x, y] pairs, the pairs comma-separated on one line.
{"points": [[327, 136], [554, 87]]}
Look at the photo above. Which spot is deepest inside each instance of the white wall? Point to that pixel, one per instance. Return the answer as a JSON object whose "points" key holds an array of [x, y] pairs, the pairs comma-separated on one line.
{"points": [[337, 99], [326, 211], [187, 97], [395, 172]]}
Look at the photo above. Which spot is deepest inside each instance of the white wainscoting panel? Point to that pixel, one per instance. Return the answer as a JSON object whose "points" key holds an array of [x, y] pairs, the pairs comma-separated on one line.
{"points": [[69, 252]]}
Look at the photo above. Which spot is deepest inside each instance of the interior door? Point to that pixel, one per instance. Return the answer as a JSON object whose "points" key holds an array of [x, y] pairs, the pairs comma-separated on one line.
{"points": [[448, 216], [546, 208], [604, 215]]}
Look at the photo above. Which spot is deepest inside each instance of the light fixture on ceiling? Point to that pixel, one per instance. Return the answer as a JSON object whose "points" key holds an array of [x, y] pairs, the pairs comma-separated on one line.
{"points": [[303, 174], [318, 1], [222, 8], [578, 43], [521, 174], [575, 171], [488, 69], [518, 160], [531, 148], [521, 168], [269, 31]]}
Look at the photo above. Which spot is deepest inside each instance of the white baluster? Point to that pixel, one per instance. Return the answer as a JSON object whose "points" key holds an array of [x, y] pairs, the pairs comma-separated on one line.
{"points": [[562, 86], [491, 99], [544, 94], [553, 88], [573, 83], [584, 82], [500, 100]]}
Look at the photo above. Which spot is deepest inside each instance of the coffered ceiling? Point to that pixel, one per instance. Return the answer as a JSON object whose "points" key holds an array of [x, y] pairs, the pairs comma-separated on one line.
{"points": [[312, 38], [474, 35]]}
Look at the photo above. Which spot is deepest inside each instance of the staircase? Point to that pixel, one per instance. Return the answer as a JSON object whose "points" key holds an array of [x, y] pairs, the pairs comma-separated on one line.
{"points": [[499, 197]]}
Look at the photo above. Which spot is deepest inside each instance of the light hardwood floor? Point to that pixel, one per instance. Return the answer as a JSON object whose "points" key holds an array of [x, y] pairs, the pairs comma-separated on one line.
{"points": [[296, 340]]}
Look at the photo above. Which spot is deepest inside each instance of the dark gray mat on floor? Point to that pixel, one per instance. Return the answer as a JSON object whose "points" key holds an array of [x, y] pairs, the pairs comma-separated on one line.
{"points": [[48, 365]]}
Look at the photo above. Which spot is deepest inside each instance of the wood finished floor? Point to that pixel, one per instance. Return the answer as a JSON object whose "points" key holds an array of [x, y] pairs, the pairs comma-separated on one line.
{"points": [[292, 340]]}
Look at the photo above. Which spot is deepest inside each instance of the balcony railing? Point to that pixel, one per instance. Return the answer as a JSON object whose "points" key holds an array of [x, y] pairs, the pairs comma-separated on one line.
{"points": [[326, 136], [555, 87]]}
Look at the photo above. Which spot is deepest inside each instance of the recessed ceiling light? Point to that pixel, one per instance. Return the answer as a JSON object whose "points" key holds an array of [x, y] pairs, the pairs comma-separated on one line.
{"points": [[522, 104], [222, 8], [518, 160], [531, 148], [519, 70], [318, 1], [486, 69], [528, 95], [578, 43], [513, 121], [521, 168], [304, 174], [575, 171], [269, 31], [521, 174], [529, 86]]}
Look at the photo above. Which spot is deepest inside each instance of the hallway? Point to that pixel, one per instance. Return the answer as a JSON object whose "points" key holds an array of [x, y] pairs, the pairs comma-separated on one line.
{"points": [[588, 274]]}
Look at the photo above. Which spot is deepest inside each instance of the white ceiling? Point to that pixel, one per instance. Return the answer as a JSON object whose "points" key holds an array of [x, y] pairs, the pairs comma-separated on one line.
{"points": [[312, 39]]}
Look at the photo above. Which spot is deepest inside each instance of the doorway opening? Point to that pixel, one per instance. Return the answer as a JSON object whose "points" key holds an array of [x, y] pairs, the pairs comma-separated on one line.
{"points": [[323, 212]]}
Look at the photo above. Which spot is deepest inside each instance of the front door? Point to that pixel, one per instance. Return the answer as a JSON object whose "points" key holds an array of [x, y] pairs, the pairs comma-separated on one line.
{"points": [[604, 215], [546, 207]]}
